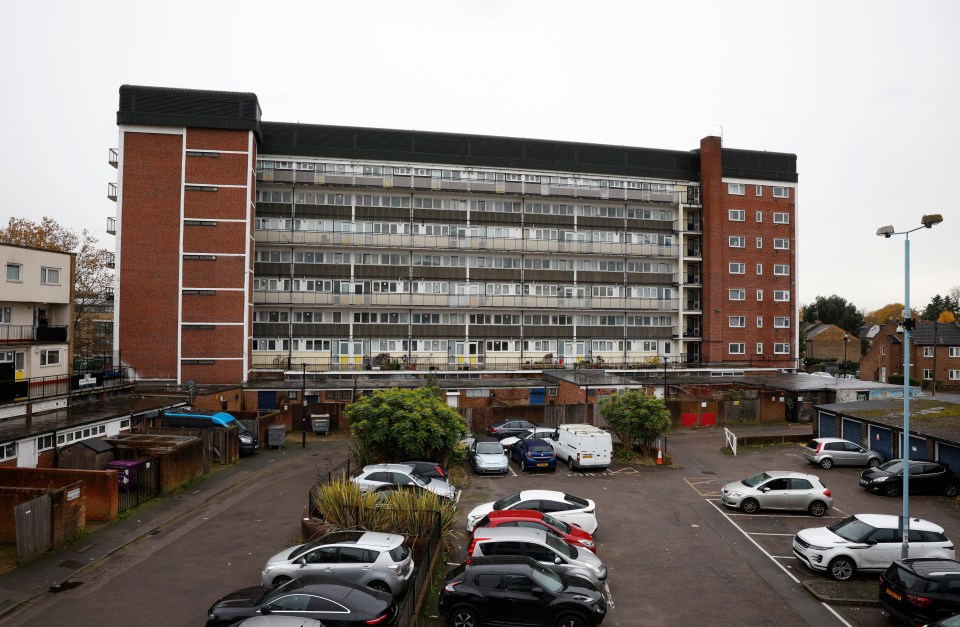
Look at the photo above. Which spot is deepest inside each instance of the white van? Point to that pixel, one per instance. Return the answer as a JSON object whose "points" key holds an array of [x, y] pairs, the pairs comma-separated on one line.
{"points": [[583, 446]]}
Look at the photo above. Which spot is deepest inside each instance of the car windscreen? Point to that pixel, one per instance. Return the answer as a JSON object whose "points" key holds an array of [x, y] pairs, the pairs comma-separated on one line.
{"points": [[280, 588], [489, 448], [755, 480], [507, 501], [852, 529], [893, 467]]}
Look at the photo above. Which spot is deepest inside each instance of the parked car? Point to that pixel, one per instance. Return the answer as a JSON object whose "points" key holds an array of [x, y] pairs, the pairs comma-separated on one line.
{"points": [[583, 446], [434, 470], [510, 426], [383, 492], [921, 590], [279, 621], [546, 548], [534, 453], [778, 489], [925, 478], [486, 456], [376, 475], [867, 542], [517, 590], [820, 373], [566, 507], [334, 602], [532, 519], [380, 560], [545, 433], [829, 452]]}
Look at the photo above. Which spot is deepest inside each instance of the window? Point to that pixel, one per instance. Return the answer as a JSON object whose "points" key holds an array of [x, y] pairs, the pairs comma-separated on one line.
{"points": [[954, 351], [14, 272], [781, 243], [759, 348], [928, 351], [759, 322], [50, 276], [759, 269], [5, 315], [927, 374], [781, 296], [45, 442], [736, 189], [781, 322], [758, 190], [759, 295], [781, 192], [759, 216], [955, 375], [883, 349], [759, 243], [738, 241], [50, 357], [737, 348], [781, 348], [738, 322], [738, 295], [738, 268], [781, 269], [737, 215], [8, 451], [781, 218]]}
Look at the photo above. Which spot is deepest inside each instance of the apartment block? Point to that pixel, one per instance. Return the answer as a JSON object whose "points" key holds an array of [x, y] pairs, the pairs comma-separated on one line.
{"points": [[248, 248]]}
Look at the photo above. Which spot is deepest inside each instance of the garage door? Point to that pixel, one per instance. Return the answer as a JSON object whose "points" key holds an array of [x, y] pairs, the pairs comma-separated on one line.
{"points": [[949, 455], [918, 447], [828, 425], [852, 430], [881, 441]]}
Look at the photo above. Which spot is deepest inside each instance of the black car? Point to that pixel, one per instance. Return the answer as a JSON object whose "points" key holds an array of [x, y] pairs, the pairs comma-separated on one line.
{"points": [[925, 478], [921, 590], [335, 602], [513, 590], [434, 470], [511, 426]]}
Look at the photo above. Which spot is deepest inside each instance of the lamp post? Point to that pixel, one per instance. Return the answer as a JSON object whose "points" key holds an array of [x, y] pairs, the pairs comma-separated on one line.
{"points": [[926, 222], [846, 342]]}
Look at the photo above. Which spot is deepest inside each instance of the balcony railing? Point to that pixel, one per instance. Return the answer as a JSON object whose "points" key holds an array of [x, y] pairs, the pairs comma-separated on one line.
{"points": [[37, 388], [113, 158], [112, 191], [21, 333], [112, 226]]}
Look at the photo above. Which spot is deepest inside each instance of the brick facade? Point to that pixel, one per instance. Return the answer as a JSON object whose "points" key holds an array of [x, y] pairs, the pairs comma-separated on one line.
{"points": [[100, 495]]}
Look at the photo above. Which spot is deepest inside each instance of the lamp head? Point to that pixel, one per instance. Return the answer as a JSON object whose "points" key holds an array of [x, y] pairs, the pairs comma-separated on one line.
{"points": [[885, 231], [929, 220]]}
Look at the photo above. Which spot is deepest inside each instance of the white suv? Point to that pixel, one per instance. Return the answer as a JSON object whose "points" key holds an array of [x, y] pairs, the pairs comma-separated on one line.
{"points": [[867, 542]]}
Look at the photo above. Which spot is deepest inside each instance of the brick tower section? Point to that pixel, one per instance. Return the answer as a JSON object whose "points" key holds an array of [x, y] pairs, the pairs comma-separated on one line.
{"points": [[714, 289], [186, 253]]}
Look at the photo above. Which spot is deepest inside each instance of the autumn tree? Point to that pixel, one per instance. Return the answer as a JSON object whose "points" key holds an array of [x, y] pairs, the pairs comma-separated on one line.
{"points": [[834, 310], [938, 304], [888, 313], [94, 276]]}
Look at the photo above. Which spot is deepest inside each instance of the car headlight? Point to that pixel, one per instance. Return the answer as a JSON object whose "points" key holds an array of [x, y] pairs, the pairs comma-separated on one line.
{"points": [[586, 543], [879, 479], [596, 569], [246, 439], [813, 547], [735, 493], [211, 616]]}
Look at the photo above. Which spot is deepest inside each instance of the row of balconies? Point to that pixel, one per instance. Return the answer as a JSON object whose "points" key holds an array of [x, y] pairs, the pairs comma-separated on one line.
{"points": [[24, 333], [449, 300]]}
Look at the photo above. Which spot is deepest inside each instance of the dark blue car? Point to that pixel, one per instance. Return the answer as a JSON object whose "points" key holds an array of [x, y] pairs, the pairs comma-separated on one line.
{"points": [[534, 453]]}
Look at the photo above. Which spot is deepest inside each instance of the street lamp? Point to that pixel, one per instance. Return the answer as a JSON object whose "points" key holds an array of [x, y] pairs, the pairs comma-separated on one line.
{"points": [[846, 342], [926, 222]]}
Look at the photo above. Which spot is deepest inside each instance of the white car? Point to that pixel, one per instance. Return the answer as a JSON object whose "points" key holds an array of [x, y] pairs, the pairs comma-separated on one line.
{"points": [[566, 507], [377, 475], [545, 433], [867, 542]]}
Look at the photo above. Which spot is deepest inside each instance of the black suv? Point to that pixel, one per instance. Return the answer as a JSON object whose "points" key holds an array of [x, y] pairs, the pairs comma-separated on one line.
{"points": [[925, 478], [514, 590], [921, 590]]}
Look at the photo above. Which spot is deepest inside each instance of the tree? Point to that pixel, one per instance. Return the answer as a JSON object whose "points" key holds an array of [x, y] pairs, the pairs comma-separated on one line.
{"points": [[938, 304], [406, 424], [834, 310], [638, 419], [887, 313], [946, 317], [94, 276]]}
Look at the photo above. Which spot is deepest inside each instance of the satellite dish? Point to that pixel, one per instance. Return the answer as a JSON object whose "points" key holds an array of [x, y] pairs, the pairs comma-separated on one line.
{"points": [[191, 385]]}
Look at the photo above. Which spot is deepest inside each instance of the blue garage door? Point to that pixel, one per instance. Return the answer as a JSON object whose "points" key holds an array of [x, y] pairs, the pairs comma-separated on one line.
{"points": [[537, 395], [918, 447], [949, 455], [881, 441], [828, 426], [852, 430], [266, 400]]}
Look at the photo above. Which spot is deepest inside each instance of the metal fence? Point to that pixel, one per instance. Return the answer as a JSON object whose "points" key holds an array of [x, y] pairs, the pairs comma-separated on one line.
{"points": [[36, 388]]}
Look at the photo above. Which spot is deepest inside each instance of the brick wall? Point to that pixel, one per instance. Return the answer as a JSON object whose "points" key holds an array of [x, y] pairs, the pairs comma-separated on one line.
{"points": [[101, 500]]}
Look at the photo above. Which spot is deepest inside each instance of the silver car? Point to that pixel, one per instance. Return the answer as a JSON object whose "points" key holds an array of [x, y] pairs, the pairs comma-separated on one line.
{"points": [[381, 561], [778, 489], [488, 457], [376, 475], [829, 452]]}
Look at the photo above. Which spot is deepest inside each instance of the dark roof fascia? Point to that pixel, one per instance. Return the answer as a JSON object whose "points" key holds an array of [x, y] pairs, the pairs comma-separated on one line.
{"points": [[192, 108], [760, 165]]}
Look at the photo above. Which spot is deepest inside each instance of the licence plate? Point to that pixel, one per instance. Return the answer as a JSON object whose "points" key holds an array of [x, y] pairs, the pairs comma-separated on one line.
{"points": [[587, 456], [542, 464], [895, 595]]}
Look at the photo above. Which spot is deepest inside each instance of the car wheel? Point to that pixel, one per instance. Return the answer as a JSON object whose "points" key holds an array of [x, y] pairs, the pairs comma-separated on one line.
{"points": [[950, 489], [379, 586], [826, 463], [873, 462], [571, 620], [842, 568], [464, 617], [749, 506], [523, 465], [281, 579], [817, 508], [570, 463], [892, 490]]}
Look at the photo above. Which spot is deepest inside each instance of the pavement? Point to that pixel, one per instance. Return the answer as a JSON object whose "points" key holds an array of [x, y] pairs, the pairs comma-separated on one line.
{"points": [[53, 571]]}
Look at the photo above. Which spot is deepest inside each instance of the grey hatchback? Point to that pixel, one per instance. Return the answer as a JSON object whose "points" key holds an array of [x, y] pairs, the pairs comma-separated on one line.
{"points": [[829, 452], [778, 489]]}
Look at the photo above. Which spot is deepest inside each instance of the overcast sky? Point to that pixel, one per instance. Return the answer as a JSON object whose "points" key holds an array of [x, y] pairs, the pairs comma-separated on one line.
{"points": [[865, 93]]}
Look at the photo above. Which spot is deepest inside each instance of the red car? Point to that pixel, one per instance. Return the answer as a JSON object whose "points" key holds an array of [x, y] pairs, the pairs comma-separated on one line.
{"points": [[532, 519]]}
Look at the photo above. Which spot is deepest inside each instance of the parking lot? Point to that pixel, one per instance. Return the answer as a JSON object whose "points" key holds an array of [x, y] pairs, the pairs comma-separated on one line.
{"points": [[675, 553]]}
